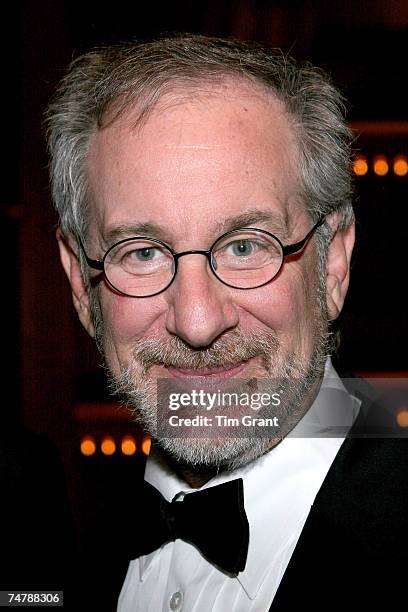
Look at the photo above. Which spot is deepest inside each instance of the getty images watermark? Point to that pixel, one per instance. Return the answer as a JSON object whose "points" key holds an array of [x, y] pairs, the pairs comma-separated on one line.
{"points": [[269, 408], [212, 401], [186, 409]]}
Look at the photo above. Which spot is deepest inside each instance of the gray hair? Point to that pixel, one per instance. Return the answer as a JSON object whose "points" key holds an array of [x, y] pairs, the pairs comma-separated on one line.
{"points": [[105, 83]]}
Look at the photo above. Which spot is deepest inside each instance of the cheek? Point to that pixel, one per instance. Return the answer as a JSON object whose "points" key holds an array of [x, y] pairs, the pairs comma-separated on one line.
{"points": [[286, 306], [126, 320]]}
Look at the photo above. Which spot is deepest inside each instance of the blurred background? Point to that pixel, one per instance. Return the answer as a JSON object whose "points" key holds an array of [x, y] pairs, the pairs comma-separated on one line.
{"points": [[52, 379]]}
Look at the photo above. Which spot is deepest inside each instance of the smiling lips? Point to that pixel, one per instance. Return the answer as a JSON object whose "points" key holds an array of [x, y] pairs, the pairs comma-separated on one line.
{"points": [[220, 372]]}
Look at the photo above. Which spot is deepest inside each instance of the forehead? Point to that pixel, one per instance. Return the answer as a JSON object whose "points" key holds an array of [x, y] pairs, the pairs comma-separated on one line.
{"points": [[195, 162]]}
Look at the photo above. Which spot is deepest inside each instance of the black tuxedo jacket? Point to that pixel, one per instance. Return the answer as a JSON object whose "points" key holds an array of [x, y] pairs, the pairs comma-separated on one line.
{"points": [[353, 551]]}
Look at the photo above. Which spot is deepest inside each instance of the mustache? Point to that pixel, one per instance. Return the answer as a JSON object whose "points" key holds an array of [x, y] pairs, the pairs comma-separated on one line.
{"points": [[228, 350]]}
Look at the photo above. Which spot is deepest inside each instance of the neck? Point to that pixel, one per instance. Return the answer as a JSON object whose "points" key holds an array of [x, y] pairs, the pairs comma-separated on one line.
{"points": [[196, 479]]}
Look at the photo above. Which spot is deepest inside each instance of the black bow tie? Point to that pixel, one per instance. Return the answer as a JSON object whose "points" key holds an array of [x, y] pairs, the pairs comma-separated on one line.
{"points": [[213, 519]]}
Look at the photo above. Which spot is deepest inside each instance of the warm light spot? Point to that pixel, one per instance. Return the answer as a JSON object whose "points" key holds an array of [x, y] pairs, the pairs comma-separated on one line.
{"points": [[400, 166], [128, 445], [146, 444], [88, 446], [380, 165], [360, 166], [108, 446], [402, 417]]}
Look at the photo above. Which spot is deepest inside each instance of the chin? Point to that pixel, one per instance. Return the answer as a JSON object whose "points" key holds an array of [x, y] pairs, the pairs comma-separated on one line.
{"points": [[139, 387]]}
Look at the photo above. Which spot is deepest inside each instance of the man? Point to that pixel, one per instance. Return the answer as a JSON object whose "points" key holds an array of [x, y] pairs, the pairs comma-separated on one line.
{"points": [[206, 229]]}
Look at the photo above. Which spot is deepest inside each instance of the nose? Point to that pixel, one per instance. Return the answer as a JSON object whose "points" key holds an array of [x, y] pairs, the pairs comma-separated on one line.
{"points": [[200, 307]]}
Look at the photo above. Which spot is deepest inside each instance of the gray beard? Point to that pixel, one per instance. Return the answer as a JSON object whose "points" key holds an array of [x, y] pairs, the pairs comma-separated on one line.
{"points": [[299, 378]]}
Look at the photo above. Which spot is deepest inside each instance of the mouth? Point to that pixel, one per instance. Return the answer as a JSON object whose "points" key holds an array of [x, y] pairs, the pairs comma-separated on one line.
{"points": [[221, 372]]}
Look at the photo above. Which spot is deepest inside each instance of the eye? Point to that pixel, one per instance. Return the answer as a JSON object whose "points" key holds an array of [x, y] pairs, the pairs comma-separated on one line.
{"points": [[139, 256], [241, 248], [144, 254], [247, 250]]}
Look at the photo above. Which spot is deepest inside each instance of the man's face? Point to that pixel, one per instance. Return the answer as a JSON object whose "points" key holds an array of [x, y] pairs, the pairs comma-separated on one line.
{"points": [[192, 171]]}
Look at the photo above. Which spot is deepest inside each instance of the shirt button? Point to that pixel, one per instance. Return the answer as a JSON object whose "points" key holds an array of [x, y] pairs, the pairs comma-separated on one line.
{"points": [[176, 601]]}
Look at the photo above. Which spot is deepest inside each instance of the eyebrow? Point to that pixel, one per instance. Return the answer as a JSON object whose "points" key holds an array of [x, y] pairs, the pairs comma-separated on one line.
{"points": [[123, 231], [253, 217]]}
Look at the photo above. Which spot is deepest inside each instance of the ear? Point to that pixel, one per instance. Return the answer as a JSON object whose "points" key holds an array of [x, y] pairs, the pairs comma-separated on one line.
{"points": [[70, 263], [338, 265]]}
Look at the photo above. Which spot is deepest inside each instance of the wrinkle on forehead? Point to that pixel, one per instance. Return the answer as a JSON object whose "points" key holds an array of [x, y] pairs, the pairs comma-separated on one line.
{"points": [[196, 146], [247, 100]]}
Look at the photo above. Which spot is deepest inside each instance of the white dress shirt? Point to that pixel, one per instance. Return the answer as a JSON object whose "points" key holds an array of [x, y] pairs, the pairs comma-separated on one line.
{"points": [[279, 490]]}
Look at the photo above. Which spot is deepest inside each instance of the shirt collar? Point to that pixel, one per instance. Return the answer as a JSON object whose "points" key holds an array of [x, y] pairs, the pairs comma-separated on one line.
{"points": [[295, 468]]}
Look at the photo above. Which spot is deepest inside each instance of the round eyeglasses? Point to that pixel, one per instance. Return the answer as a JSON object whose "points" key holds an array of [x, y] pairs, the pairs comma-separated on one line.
{"points": [[245, 258]]}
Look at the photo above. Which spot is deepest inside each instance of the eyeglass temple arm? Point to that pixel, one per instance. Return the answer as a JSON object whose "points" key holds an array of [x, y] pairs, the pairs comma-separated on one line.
{"points": [[298, 246], [92, 263]]}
